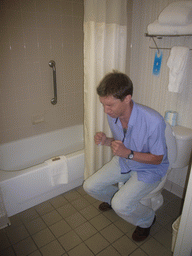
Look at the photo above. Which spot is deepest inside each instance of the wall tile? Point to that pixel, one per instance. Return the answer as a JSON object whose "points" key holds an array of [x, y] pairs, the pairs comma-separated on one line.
{"points": [[33, 33], [29, 19]]}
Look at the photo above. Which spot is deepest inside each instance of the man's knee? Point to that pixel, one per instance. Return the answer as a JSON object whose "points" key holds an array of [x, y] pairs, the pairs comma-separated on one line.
{"points": [[86, 185], [89, 185], [116, 204], [119, 206]]}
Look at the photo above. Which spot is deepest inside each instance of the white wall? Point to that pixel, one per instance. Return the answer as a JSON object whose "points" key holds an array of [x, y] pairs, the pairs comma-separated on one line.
{"points": [[151, 90]]}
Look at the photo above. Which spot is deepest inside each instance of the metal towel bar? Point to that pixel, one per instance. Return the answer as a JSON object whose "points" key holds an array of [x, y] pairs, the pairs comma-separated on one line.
{"points": [[160, 37], [52, 65]]}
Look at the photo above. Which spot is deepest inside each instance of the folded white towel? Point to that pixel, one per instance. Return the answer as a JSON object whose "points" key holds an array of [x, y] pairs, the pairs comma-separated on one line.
{"points": [[58, 170], [156, 28], [177, 63], [177, 14]]}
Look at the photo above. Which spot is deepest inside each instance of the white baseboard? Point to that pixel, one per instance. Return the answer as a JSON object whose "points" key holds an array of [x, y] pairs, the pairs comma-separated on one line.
{"points": [[174, 188]]}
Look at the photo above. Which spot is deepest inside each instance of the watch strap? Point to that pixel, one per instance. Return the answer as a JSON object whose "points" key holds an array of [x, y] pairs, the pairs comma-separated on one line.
{"points": [[131, 155]]}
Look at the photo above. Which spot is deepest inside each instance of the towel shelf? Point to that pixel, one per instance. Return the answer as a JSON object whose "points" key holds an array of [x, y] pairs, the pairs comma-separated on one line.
{"points": [[160, 37]]}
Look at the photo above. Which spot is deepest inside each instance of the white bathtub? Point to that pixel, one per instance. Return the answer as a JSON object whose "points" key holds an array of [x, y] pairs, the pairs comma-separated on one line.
{"points": [[24, 180]]}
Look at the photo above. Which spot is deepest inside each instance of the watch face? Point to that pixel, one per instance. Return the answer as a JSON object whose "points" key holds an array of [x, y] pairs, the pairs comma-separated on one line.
{"points": [[130, 156]]}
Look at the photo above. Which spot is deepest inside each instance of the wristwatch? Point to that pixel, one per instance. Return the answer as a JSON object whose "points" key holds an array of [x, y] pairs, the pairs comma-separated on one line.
{"points": [[131, 155]]}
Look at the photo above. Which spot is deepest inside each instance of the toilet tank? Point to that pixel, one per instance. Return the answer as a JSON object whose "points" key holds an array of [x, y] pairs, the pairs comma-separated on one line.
{"points": [[184, 146]]}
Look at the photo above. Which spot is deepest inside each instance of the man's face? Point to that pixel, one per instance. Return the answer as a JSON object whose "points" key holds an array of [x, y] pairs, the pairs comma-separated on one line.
{"points": [[113, 107]]}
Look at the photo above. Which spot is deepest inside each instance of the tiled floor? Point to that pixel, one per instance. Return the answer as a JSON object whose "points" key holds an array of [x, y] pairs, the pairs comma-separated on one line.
{"points": [[72, 225]]}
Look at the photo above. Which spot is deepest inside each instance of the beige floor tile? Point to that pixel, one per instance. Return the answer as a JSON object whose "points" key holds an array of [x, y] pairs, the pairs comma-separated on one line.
{"points": [[90, 199], [124, 226], [124, 246], [4, 241], [72, 195], [100, 231], [66, 210], [75, 220], [35, 226], [80, 250], [15, 220], [25, 247], [85, 231], [168, 196], [51, 218], [96, 204], [97, 243], [164, 237], [90, 212], [17, 234], [138, 252], [153, 247], [80, 203], [129, 233], [111, 233], [35, 253], [44, 208], [155, 228], [28, 215], [81, 191], [7, 252], [43, 237], [111, 215], [58, 201], [60, 228], [109, 251], [52, 249], [100, 222], [178, 201], [169, 226], [163, 218], [172, 209], [70, 240]]}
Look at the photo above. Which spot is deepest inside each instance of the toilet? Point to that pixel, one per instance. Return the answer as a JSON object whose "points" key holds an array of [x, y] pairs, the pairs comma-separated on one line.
{"points": [[179, 145]]}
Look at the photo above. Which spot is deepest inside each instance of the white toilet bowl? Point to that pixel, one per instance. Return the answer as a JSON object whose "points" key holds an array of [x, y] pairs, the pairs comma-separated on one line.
{"points": [[179, 144]]}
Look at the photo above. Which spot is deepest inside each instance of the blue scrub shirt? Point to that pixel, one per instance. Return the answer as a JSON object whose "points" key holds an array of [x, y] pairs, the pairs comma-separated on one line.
{"points": [[146, 134]]}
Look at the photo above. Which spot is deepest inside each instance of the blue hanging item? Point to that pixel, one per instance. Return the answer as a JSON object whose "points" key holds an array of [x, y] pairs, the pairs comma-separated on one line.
{"points": [[157, 62]]}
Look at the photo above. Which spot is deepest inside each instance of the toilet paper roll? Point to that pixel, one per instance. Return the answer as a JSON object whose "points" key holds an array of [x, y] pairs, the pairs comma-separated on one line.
{"points": [[171, 117]]}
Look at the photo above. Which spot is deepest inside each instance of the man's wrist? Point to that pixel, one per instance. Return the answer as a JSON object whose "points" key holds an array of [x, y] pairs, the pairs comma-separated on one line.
{"points": [[130, 155]]}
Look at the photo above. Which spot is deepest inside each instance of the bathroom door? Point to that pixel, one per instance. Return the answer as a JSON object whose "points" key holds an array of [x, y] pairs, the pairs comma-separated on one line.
{"points": [[183, 244]]}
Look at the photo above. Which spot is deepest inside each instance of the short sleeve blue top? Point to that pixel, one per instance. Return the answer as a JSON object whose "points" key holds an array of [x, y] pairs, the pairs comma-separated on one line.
{"points": [[146, 134]]}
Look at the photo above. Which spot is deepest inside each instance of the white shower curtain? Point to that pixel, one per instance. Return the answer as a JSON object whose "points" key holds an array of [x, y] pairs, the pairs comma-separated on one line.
{"points": [[105, 41]]}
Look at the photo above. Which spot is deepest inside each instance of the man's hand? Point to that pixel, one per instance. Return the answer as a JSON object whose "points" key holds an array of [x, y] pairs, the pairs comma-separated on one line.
{"points": [[119, 148], [100, 137]]}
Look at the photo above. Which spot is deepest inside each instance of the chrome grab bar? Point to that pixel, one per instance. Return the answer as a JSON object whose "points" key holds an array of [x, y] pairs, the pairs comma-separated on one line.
{"points": [[52, 65]]}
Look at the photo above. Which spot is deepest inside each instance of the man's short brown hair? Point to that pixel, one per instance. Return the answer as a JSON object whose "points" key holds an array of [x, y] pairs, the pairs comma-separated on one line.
{"points": [[116, 84]]}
